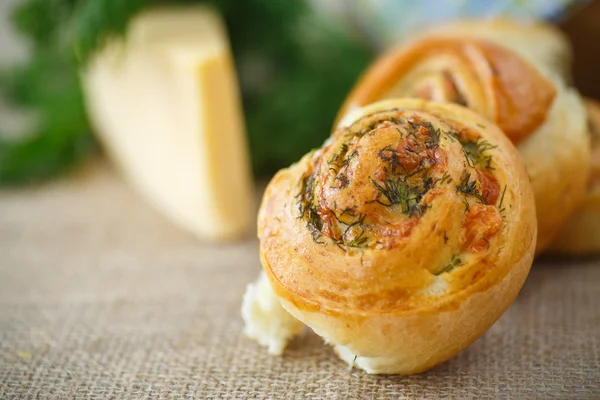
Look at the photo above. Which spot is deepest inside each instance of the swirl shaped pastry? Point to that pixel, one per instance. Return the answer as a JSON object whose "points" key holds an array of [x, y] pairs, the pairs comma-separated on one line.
{"points": [[540, 43], [490, 79], [403, 238], [581, 234], [541, 115]]}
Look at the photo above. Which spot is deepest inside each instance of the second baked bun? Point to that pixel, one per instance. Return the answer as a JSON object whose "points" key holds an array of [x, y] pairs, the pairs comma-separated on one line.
{"points": [[544, 118], [540, 43], [581, 234], [402, 239]]}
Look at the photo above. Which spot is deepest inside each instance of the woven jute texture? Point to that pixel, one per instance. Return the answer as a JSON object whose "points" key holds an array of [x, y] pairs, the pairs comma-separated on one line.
{"points": [[102, 298]]}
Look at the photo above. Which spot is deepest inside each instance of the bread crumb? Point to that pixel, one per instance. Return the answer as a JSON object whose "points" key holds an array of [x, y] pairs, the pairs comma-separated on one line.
{"points": [[266, 321]]}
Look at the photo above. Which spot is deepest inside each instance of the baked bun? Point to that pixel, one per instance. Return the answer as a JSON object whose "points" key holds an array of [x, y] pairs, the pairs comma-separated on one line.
{"points": [[492, 80], [557, 158], [581, 234], [402, 239], [540, 43], [540, 115]]}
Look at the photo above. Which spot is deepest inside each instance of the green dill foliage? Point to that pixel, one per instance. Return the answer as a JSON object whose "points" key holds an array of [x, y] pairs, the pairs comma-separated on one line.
{"points": [[306, 193], [294, 67], [501, 203], [349, 238], [360, 241], [455, 262], [407, 180], [338, 160], [433, 135], [469, 187], [445, 178], [397, 191], [308, 210], [375, 118], [391, 156], [476, 152], [47, 84], [401, 187]]}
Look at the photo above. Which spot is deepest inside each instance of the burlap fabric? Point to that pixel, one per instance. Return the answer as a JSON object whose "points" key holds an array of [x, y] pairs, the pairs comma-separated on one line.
{"points": [[101, 297]]}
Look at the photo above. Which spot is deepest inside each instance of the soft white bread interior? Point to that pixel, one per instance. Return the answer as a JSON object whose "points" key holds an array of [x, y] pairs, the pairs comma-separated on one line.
{"points": [[266, 321]]}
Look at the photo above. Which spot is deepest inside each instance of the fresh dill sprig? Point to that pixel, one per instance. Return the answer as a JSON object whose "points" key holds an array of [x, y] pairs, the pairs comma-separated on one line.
{"points": [[389, 155], [469, 187], [398, 192], [455, 262], [476, 153], [349, 211], [453, 136], [501, 203], [338, 159], [314, 223], [433, 139], [350, 157], [445, 178], [358, 242], [305, 194], [307, 210]]}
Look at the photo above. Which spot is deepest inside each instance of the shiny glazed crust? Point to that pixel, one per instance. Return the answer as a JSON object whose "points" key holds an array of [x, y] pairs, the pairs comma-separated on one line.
{"points": [[540, 43], [543, 117], [489, 79], [403, 238], [581, 234]]}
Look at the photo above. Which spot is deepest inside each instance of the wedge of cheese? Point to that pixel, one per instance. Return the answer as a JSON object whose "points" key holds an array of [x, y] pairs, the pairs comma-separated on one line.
{"points": [[166, 106]]}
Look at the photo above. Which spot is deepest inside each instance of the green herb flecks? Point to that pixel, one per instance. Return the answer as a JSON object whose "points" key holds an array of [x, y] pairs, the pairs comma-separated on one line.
{"points": [[433, 138], [337, 160], [469, 187], [348, 211], [432, 135], [314, 223], [445, 178], [346, 240], [389, 155], [305, 194], [358, 242], [501, 203], [455, 262], [397, 191], [476, 153], [307, 209]]}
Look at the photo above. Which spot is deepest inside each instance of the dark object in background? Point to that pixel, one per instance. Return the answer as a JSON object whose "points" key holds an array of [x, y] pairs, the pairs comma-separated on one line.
{"points": [[583, 29]]}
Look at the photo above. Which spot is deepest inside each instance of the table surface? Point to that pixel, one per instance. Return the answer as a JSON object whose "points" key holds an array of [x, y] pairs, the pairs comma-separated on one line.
{"points": [[101, 297]]}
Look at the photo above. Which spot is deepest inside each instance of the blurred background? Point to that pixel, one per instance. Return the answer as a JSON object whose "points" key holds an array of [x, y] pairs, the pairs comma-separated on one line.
{"points": [[294, 61]]}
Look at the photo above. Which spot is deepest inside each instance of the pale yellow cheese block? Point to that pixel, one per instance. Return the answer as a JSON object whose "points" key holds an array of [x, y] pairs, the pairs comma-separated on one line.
{"points": [[166, 106]]}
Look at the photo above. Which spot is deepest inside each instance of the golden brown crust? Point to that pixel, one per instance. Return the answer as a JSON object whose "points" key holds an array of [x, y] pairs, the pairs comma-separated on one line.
{"points": [[540, 43], [593, 114], [408, 212], [534, 109], [557, 157], [491, 80], [581, 234]]}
